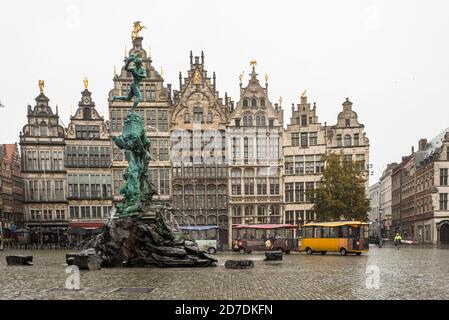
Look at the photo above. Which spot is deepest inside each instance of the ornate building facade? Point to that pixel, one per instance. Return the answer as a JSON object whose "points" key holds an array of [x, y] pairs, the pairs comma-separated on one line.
{"points": [[11, 189], [42, 146], [154, 108], [305, 143], [255, 156], [420, 189], [198, 149], [88, 165], [348, 136]]}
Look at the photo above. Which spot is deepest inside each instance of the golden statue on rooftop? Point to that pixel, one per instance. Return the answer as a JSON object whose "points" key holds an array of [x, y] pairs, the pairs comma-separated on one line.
{"points": [[41, 86], [304, 94], [137, 28], [253, 63], [197, 77], [86, 83]]}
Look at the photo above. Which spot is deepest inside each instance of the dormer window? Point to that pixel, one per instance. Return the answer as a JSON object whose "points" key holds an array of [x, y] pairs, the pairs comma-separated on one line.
{"points": [[87, 114], [198, 114], [253, 102], [245, 102], [347, 123], [262, 102], [186, 117]]}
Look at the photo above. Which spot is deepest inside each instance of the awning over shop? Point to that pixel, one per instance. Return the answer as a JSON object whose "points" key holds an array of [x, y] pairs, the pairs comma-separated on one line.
{"points": [[198, 228]]}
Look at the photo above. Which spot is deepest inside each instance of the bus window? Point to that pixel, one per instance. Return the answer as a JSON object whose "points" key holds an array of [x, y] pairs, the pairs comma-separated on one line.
{"points": [[260, 233], [343, 232], [211, 234], [333, 232], [317, 232], [308, 232], [251, 234], [324, 232]]}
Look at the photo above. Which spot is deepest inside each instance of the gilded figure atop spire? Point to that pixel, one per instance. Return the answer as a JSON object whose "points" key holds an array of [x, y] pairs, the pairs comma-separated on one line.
{"points": [[136, 29], [41, 86]]}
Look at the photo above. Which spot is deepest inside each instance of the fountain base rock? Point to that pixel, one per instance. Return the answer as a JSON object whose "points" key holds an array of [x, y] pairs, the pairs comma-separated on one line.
{"points": [[147, 242]]}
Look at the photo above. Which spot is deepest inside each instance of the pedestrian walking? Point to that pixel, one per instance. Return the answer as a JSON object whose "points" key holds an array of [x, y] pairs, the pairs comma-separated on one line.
{"points": [[397, 240]]}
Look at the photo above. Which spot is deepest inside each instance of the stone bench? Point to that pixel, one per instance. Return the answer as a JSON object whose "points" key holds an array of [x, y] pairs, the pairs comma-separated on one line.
{"points": [[239, 264], [19, 260], [273, 255]]}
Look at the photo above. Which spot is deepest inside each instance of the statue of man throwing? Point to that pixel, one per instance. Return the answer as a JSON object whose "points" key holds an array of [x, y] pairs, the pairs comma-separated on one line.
{"points": [[138, 73]]}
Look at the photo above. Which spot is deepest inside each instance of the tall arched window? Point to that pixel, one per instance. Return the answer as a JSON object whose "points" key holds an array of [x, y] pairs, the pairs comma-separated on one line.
{"points": [[260, 120], [236, 182], [186, 117], [348, 140], [200, 197], [253, 102], [245, 102], [247, 120], [262, 102], [249, 181]]}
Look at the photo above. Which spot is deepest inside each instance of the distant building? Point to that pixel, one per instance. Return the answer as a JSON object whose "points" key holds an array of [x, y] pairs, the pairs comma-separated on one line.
{"points": [[305, 144], [348, 136], [88, 165], [306, 141], [11, 190], [42, 146], [375, 210], [420, 191], [385, 200]]}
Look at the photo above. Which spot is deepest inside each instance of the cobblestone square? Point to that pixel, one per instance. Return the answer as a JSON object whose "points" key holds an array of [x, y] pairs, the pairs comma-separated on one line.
{"points": [[409, 273]]}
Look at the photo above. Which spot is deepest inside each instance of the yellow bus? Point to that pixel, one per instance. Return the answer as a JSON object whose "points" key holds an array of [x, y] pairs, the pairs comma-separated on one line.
{"points": [[343, 236]]}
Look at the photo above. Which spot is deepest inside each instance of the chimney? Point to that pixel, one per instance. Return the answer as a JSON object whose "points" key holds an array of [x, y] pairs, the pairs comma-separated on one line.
{"points": [[422, 144], [413, 149]]}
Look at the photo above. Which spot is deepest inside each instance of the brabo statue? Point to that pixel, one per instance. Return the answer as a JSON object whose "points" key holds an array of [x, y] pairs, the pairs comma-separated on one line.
{"points": [[136, 190], [139, 73], [140, 236]]}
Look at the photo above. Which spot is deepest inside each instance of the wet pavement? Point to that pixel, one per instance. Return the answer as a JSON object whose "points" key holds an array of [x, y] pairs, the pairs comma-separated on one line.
{"points": [[409, 273]]}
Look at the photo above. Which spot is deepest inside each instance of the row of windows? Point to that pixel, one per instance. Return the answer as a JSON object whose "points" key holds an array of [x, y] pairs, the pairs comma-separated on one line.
{"points": [[198, 116], [89, 212], [187, 217], [44, 160], [299, 165], [47, 215], [296, 192], [87, 132], [298, 216], [348, 140], [304, 139], [255, 148], [84, 156], [199, 196], [254, 102], [154, 119], [44, 190], [210, 172], [89, 186]]}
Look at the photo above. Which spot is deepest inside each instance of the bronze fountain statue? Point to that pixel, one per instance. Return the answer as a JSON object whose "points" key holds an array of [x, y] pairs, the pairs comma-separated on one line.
{"points": [[140, 236]]}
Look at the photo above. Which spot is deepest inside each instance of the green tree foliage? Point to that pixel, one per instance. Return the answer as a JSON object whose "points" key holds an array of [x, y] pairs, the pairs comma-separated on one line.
{"points": [[341, 192]]}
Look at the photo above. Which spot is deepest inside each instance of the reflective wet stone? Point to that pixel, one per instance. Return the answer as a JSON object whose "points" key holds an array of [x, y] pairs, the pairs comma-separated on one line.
{"points": [[408, 273]]}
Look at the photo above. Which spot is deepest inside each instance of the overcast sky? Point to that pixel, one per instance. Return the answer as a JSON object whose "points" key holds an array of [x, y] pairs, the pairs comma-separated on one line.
{"points": [[391, 58]]}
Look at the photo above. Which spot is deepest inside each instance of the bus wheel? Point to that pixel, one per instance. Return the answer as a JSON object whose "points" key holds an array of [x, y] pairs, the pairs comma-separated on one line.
{"points": [[323, 252], [242, 250], [212, 250], [343, 251], [309, 251], [358, 253]]}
